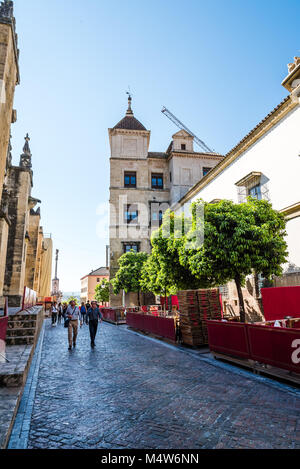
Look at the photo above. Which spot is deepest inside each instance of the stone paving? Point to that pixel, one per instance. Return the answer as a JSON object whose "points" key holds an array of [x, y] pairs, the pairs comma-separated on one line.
{"points": [[131, 392]]}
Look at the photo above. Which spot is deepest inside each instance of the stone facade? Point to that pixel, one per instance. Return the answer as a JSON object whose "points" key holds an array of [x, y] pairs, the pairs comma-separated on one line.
{"points": [[21, 237], [9, 78], [32, 248], [144, 184]]}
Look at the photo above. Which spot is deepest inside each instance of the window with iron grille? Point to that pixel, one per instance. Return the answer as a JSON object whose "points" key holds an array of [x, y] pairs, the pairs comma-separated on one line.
{"points": [[129, 179], [127, 247], [157, 218], [157, 181], [255, 192], [131, 214]]}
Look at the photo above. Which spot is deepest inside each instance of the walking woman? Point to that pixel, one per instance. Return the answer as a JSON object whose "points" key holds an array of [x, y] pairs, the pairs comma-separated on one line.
{"points": [[54, 312]]}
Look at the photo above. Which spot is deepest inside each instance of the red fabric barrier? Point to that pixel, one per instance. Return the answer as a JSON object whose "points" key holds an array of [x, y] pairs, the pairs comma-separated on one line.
{"points": [[4, 322], [280, 302], [3, 327], [275, 346], [109, 314], [163, 327], [228, 338]]}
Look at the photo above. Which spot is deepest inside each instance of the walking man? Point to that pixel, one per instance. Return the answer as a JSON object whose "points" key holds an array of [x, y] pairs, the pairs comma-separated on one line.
{"points": [[94, 316], [73, 314]]}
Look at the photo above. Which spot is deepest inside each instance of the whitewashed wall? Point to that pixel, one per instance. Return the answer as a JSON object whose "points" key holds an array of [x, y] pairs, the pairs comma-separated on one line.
{"points": [[277, 156]]}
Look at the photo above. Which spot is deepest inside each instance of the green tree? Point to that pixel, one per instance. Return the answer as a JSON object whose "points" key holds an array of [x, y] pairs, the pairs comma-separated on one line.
{"points": [[239, 240], [128, 277], [163, 274], [102, 291], [73, 298]]}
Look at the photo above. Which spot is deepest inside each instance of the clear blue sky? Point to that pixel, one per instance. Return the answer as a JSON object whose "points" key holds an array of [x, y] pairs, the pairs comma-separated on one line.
{"points": [[217, 65]]}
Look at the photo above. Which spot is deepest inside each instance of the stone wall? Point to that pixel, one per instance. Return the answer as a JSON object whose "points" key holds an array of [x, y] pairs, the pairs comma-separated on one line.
{"points": [[8, 81], [32, 248], [288, 280], [19, 186]]}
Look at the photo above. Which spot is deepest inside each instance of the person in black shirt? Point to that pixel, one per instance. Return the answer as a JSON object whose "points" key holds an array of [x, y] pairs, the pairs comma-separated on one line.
{"points": [[94, 316], [87, 306]]}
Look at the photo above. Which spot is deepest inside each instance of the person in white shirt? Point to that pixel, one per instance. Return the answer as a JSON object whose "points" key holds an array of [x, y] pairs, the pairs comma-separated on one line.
{"points": [[54, 312], [73, 314]]}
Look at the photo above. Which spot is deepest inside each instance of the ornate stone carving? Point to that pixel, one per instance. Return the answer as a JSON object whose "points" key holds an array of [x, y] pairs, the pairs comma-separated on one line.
{"points": [[7, 9], [4, 201], [25, 159], [294, 64]]}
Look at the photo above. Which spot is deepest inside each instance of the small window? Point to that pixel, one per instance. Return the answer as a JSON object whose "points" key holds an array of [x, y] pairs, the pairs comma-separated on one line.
{"points": [[183, 146], [131, 247], [170, 177], [157, 217], [129, 179], [255, 192], [131, 214], [205, 171], [157, 181]]}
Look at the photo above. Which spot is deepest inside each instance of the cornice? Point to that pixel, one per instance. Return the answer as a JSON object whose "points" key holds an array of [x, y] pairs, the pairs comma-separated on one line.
{"points": [[195, 155], [139, 133], [291, 212]]}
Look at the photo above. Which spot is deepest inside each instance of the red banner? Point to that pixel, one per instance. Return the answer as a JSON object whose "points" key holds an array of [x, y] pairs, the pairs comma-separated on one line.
{"points": [[276, 346], [280, 302], [163, 327], [4, 322]]}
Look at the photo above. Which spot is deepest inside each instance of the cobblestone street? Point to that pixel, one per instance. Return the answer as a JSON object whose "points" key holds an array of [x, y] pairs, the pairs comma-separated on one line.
{"points": [[131, 392]]}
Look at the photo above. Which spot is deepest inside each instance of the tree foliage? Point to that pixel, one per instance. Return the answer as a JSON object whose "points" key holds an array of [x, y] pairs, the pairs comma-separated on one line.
{"points": [[128, 277], [239, 239], [102, 291], [163, 274]]}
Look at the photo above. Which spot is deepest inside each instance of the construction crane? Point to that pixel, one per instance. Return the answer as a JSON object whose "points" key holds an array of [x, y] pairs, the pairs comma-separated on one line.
{"points": [[179, 124]]}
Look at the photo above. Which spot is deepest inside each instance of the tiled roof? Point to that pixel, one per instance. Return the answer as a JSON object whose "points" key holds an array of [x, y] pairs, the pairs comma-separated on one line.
{"points": [[102, 271], [130, 123]]}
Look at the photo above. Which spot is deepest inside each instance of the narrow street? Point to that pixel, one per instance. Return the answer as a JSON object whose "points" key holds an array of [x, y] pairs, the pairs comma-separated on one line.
{"points": [[131, 392]]}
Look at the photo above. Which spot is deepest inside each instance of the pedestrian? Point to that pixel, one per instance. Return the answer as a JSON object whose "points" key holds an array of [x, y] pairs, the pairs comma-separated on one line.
{"points": [[54, 312], [94, 317], [87, 306], [60, 313], [73, 314], [83, 311], [65, 307]]}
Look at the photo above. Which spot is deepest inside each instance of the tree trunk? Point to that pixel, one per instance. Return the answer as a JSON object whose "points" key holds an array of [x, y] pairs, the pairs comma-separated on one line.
{"points": [[139, 300], [165, 303], [241, 299]]}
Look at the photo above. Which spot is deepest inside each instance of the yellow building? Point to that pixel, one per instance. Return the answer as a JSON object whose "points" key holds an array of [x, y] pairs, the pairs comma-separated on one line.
{"points": [[90, 281]]}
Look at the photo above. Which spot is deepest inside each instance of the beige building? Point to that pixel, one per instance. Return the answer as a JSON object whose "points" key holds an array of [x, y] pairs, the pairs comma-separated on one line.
{"points": [[22, 244], [90, 281], [144, 184], [9, 78]]}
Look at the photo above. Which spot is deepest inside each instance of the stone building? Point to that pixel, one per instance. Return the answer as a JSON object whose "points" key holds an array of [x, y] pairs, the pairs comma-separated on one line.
{"points": [[23, 248], [144, 184], [9, 78]]}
